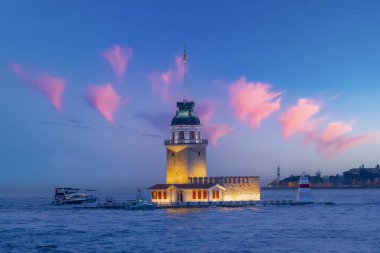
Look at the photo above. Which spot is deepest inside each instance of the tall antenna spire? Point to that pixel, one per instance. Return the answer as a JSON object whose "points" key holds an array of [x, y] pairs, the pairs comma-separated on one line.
{"points": [[184, 73]]}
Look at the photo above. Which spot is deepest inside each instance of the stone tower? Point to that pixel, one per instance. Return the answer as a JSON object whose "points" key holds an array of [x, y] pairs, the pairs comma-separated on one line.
{"points": [[186, 150]]}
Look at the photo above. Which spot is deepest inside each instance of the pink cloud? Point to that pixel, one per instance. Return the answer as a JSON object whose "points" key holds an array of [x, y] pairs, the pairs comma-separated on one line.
{"points": [[50, 86], [298, 118], [334, 140], [253, 102], [118, 57], [214, 132], [105, 99], [162, 82]]}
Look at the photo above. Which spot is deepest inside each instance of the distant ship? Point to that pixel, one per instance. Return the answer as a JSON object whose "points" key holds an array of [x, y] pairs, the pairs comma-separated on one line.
{"points": [[69, 196]]}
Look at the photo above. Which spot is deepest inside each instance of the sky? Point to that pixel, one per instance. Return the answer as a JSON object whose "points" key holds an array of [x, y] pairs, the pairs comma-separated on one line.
{"points": [[88, 88]]}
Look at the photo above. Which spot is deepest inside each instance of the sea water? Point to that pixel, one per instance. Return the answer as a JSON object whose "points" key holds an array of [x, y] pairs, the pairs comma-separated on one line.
{"points": [[28, 223]]}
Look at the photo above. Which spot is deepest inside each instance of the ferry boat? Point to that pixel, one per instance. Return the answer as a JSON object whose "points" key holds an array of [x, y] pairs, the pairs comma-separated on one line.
{"points": [[69, 196]]}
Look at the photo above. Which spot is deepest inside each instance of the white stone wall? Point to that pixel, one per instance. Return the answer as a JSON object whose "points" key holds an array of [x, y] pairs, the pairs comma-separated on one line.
{"points": [[237, 188]]}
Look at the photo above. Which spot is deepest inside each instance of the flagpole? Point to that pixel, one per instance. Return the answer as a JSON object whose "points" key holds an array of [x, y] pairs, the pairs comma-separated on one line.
{"points": [[184, 73]]}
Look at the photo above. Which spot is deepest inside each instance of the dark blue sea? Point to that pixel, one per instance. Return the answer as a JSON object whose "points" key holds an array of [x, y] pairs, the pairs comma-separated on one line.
{"points": [[28, 223]]}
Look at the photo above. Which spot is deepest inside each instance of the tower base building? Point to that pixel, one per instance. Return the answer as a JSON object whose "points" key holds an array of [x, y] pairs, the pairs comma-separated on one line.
{"points": [[186, 171]]}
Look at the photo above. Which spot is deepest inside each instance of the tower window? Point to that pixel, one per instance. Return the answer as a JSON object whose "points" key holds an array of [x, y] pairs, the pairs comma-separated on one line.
{"points": [[199, 153], [181, 135], [192, 135], [173, 136], [199, 135], [172, 153]]}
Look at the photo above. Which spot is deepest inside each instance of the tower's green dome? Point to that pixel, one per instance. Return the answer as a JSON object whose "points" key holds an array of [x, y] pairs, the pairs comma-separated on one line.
{"points": [[185, 114]]}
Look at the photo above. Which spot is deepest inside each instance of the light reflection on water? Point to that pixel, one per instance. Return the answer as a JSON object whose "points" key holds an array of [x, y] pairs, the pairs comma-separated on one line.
{"points": [[29, 224]]}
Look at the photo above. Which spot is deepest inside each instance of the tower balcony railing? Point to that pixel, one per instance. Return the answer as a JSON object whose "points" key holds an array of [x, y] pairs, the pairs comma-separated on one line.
{"points": [[186, 141]]}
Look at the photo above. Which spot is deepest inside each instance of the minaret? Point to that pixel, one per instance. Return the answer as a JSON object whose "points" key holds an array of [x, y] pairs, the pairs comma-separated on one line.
{"points": [[278, 175], [185, 150]]}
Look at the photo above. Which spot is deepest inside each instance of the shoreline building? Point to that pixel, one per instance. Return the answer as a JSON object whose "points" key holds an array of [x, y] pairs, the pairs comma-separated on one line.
{"points": [[186, 171]]}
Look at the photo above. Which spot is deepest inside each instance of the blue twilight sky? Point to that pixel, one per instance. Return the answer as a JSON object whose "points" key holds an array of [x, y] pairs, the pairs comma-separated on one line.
{"points": [[324, 51]]}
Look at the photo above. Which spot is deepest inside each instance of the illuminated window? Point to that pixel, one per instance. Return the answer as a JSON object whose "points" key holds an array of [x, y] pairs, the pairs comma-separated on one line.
{"points": [[192, 135], [204, 194], [194, 194], [165, 194], [217, 194], [154, 195], [159, 195], [181, 135], [199, 194], [213, 194]]}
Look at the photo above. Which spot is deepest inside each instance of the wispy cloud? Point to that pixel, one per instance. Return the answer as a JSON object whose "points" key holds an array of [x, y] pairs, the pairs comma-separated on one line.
{"points": [[335, 139], [298, 118], [253, 102], [213, 131], [104, 99], [50, 86], [66, 123], [118, 57], [160, 121], [162, 82]]}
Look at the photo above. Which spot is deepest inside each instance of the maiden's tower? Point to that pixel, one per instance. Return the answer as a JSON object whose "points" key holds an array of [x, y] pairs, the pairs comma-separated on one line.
{"points": [[186, 171]]}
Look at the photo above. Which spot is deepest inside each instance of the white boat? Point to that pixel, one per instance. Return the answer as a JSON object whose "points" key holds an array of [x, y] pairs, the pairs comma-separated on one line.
{"points": [[69, 196]]}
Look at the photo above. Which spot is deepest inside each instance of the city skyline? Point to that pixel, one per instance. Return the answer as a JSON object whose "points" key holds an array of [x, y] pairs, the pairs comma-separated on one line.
{"points": [[87, 98]]}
